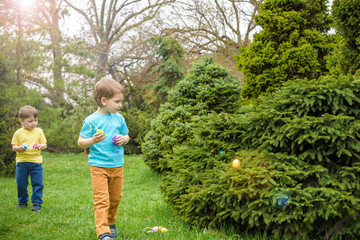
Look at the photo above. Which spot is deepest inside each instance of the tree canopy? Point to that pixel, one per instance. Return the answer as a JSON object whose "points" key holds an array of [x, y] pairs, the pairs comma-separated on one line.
{"points": [[347, 19], [291, 45]]}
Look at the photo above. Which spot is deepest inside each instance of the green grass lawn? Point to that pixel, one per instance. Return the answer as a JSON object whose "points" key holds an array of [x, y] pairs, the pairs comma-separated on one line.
{"points": [[67, 212]]}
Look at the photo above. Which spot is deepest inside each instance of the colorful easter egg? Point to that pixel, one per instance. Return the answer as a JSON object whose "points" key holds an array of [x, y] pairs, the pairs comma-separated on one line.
{"points": [[236, 163], [101, 131], [25, 145], [280, 198]]}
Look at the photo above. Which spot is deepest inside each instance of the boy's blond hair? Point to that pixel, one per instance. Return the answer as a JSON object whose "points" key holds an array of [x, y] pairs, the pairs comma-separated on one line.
{"points": [[27, 111], [107, 88]]}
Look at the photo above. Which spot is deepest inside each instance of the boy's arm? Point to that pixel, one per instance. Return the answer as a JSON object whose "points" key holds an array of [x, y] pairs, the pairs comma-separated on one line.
{"points": [[87, 142], [42, 146], [14, 144], [126, 138], [21, 149]]}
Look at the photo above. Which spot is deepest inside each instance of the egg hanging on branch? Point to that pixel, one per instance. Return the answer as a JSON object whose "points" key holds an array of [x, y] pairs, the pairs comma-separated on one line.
{"points": [[236, 163]]}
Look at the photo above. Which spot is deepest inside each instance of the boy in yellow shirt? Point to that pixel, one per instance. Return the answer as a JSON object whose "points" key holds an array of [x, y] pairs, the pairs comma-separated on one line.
{"points": [[28, 142]]}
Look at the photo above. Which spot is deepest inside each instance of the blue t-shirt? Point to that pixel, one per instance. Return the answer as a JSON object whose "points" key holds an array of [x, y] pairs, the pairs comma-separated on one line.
{"points": [[105, 154]]}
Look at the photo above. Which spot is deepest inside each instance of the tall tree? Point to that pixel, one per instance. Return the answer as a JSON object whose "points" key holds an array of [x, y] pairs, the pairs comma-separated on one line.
{"points": [[111, 21], [347, 18], [33, 23], [171, 68], [292, 44], [51, 16], [46, 16], [45, 59], [18, 43], [214, 25]]}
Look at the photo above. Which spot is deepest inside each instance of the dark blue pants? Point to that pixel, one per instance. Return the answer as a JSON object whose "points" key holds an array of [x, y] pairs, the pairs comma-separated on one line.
{"points": [[35, 170]]}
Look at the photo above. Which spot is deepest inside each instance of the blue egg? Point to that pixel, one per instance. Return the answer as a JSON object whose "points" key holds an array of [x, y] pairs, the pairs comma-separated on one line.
{"points": [[280, 198], [25, 145], [221, 151]]}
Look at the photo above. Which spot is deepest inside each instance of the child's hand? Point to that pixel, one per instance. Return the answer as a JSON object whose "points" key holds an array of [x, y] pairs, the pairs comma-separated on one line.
{"points": [[21, 149], [98, 137], [18, 148], [40, 146], [120, 139]]}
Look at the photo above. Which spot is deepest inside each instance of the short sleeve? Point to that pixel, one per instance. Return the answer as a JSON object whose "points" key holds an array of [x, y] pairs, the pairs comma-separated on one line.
{"points": [[42, 137], [87, 131], [15, 139], [124, 130]]}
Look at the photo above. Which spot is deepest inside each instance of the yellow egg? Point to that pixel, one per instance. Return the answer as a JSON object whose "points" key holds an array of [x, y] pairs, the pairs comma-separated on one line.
{"points": [[101, 131], [236, 163]]}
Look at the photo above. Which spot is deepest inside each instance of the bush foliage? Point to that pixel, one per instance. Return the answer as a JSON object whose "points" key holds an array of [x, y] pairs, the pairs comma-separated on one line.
{"points": [[304, 139], [171, 68], [206, 88], [7, 155], [138, 123], [347, 18], [291, 45]]}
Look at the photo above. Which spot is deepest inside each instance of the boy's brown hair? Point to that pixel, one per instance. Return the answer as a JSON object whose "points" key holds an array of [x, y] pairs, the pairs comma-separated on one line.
{"points": [[107, 88], [27, 111]]}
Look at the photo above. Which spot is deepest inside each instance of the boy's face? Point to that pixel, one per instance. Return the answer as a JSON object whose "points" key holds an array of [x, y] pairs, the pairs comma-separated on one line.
{"points": [[29, 123], [112, 105]]}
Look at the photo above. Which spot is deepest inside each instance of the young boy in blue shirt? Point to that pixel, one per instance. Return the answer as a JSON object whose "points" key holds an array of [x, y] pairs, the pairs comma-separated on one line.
{"points": [[28, 142], [105, 131]]}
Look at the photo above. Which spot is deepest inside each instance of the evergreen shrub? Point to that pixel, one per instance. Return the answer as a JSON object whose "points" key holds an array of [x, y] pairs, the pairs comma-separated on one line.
{"points": [[304, 139], [346, 14], [292, 44], [60, 130], [207, 87], [7, 155], [138, 123]]}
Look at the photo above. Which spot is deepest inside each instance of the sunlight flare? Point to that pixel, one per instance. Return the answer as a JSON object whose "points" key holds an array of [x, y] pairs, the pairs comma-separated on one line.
{"points": [[27, 5]]}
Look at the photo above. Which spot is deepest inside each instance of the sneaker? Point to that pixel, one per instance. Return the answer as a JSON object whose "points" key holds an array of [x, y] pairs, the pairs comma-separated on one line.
{"points": [[113, 231], [105, 236], [22, 205], [36, 207]]}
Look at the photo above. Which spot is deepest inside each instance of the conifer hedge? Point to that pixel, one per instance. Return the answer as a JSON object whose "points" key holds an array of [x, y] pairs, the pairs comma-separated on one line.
{"points": [[7, 155], [207, 87], [303, 140], [346, 14], [292, 44]]}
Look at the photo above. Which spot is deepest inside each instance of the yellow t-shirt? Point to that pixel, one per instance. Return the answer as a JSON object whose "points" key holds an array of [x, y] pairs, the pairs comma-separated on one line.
{"points": [[30, 137]]}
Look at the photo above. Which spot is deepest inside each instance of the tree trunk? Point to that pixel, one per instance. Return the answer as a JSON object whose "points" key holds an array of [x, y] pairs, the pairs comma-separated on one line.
{"points": [[18, 45], [56, 39], [102, 51]]}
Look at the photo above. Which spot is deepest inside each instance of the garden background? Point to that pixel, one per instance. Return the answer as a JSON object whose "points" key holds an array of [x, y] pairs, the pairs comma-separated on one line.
{"points": [[273, 83]]}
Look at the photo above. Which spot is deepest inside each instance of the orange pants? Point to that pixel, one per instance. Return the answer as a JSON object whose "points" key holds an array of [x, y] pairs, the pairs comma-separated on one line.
{"points": [[107, 191]]}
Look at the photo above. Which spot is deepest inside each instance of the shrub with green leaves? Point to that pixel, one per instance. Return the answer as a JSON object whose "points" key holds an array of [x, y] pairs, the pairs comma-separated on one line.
{"points": [[206, 88], [292, 44], [304, 139], [138, 122], [7, 155], [171, 67], [347, 18], [61, 131]]}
